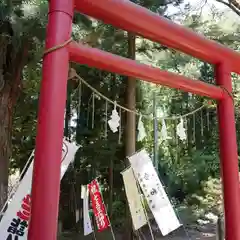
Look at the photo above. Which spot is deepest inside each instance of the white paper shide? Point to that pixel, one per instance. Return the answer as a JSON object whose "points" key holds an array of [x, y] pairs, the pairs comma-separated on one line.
{"points": [[87, 224]]}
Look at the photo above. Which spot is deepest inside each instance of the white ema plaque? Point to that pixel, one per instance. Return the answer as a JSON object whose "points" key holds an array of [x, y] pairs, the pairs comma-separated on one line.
{"points": [[154, 192], [134, 199]]}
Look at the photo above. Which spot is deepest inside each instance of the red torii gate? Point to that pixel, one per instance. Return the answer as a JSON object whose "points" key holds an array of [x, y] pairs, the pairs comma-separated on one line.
{"points": [[136, 19]]}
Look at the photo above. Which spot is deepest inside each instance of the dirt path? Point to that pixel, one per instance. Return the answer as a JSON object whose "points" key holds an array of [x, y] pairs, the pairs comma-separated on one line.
{"points": [[203, 233], [192, 235], [206, 232]]}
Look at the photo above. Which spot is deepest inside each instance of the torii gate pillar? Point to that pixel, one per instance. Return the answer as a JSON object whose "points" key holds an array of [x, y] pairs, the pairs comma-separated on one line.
{"points": [[47, 163]]}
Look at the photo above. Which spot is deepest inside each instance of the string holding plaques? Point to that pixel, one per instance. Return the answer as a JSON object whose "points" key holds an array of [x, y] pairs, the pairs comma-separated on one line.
{"points": [[114, 122]]}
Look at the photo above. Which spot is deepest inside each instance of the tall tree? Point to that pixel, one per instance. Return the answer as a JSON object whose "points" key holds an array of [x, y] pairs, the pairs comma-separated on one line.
{"points": [[17, 31], [130, 130], [22, 33]]}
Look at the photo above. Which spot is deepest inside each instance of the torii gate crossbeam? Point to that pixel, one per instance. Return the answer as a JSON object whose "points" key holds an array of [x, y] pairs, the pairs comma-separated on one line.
{"points": [[131, 17], [128, 16]]}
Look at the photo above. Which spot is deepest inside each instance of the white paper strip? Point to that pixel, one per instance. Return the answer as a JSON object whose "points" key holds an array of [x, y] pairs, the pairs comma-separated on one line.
{"points": [[141, 130], [134, 199], [154, 192], [114, 122], [77, 213], [164, 133], [87, 225], [11, 224], [83, 191], [181, 131]]}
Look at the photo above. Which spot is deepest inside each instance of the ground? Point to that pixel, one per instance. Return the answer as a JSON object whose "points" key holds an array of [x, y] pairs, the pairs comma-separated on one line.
{"points": [[206, 232]]}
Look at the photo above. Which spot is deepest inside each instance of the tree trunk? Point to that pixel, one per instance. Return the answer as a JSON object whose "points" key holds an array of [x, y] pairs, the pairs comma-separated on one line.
{"points": [[234, 5], [130, 123], [110, 203], [6, 115], [131, 102], [64, 185], [67, 132], [12, 62], [198, 131]]}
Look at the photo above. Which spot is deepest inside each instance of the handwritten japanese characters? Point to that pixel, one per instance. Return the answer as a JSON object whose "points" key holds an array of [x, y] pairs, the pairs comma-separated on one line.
{"points": [[154, 192], [98, 206]]}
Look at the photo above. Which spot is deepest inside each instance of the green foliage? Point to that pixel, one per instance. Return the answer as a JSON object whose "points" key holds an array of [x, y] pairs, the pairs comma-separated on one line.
{"points": [[211, 198], [118, 213]]}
